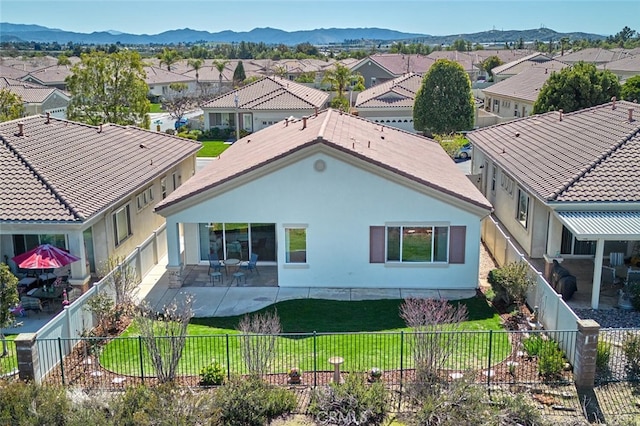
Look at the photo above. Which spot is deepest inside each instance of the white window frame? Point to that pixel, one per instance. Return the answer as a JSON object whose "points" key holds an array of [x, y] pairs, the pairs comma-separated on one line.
{"points": [[401, 227], [494, 176], [121, 218], [287, 248], [163, 187], [144, 198], [507, 184], [522, 215]]}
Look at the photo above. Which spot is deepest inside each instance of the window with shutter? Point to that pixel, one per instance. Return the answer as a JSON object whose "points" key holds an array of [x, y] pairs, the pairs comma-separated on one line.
{"points": [[376, 244], [457, 243]]}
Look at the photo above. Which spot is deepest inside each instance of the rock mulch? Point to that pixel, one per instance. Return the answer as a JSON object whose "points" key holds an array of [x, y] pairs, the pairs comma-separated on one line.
{"points": [[611, 318]]}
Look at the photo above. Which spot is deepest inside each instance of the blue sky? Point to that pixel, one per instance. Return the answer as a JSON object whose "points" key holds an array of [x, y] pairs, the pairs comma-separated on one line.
{"points": [[413, 16]]}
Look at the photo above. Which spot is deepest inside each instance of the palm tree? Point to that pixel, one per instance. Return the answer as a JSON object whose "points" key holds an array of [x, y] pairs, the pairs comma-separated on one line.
{"points": [[196, 64], [169, 57], [220, 66], [338, 78]]}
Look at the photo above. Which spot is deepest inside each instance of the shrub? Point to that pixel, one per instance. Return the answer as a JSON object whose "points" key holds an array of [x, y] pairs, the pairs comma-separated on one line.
{"points": [[170, 131], [633, 290], [534, 344], [603, 354], [250, 402], [512, 280], [518, 410], [188, 135], [460, 403], [30, 404], [212, 374], [353, 402], [631, 350], [550, 362], [259, 340]]}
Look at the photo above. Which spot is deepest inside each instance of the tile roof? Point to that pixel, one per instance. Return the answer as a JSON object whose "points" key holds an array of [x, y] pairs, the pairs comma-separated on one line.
{"points": [[630, 63], [468, 62], [527, 84], [11, 72], [520, 64], [588, 156], [68, 172], [271, 93], [594, 55], [29, 92], [398, 64], [157, 75], [408, 155], [399, 92], [52, 74]]}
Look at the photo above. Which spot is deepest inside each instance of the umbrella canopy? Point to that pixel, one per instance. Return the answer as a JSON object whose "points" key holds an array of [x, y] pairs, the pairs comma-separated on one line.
{"points": [[44, 256]]}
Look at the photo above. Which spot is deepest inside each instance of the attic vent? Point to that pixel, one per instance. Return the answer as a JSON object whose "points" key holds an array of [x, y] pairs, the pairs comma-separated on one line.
{"points": [[630, 111], [613, 102], [20, 129]]}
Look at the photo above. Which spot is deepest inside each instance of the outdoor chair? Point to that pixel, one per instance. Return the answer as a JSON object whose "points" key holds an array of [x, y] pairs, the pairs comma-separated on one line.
{"points": [[609, 276], [251, 265], [31, 304], [214, 263]]}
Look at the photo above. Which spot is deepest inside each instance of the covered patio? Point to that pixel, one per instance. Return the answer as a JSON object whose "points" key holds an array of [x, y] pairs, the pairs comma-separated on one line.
{"points": [[198, 276]]}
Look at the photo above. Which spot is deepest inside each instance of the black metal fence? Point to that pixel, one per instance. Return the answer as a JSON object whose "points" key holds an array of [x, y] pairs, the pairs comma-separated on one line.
{"points": [[618, 355], [489, 357]]}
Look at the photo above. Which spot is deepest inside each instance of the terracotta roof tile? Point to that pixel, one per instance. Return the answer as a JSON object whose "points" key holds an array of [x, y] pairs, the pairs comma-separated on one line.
{"points": [[157, 75], [68, 171], [587, 156], [411, 156], [526, 85], [399, 92], [398, 64]]}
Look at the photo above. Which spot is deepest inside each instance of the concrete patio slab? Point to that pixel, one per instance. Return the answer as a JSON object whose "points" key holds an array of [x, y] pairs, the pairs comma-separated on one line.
{"points": [[375, 293], [457, 294], [239, 301], [330, 293], [292, 293], [419, 293]]}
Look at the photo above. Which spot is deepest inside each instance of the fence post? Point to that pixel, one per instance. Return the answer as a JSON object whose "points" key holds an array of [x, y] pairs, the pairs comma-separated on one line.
{"points": [[401, 368], [315, 360], [228, 359], [586, 350], [61, 359], [141, 359], [28, 357], [489, 362]]}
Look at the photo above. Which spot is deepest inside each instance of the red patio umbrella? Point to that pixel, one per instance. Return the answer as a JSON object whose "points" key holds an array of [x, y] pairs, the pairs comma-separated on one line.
{"points": [[44, 256]]}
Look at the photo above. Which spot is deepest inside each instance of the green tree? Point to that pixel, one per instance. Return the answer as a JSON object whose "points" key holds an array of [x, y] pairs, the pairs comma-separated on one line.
{"points": [[8, 299], [109, 88], [490, 63], [238, 74], [63, 60], [338, 77], [444, 103], [169, 57], [196, 64], [460, 45], [11, 105], [220, 66], [576, 87], [631, 89]]}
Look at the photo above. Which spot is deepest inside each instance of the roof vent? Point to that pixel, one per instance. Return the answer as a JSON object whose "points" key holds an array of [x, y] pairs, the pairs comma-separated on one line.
{"points": [[316, 111], [517, 136], [304, 123], [630, 111], [613, 102], [20, 129], [100, 128], [48, 118], [561, 112]]}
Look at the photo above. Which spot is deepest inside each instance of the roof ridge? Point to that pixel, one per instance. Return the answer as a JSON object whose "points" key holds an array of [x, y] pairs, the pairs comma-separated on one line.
{"points": [[44, 180]]}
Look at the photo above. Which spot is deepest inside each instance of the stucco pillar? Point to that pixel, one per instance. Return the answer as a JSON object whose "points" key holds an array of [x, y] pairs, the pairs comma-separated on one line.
{"points": [[28, 359], [79, 270], [597, 274], [174, 265], [554, 242], [584, 370]]}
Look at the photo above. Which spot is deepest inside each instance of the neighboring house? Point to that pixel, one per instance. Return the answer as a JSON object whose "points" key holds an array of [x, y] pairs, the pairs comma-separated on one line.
{"points": [[565, 184], [383, 67], [11, 72], [263, 103], [53, 76], [504, 71], [515, 96], [38, 99], [333, 200], [624, 68], [593, 55], [90, 190], [390, 103], [159, 80], [470, 63]]}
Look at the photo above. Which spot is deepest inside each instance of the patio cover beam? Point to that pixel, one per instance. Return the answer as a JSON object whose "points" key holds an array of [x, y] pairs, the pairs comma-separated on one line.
{"points": [[612, 226]]}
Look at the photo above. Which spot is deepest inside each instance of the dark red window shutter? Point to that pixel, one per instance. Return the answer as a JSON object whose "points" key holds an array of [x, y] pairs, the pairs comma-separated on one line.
{"points": [[376, 244], [457, 243]]}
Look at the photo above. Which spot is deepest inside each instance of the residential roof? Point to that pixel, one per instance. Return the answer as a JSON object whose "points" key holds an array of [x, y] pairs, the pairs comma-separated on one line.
{"points": [[54, 74], [520, 64], [29, 93], [595, 55], [526, 85], [11, 72], [397, 93], [467, 61], [583, 156], [630, 64], [157, 75], [271, 93], [399, 64], [408, 155], [65, 171]]}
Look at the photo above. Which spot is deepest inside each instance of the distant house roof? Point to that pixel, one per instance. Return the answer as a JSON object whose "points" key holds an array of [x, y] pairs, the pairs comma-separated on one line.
{"points": [[520, 64], [405, 154], [399, 92], [157, 75], [527, 84], [64, 171], [398, 64], [271, 93], [29, 92], [584, 156], [628, 64], [11, 72], [594, 55], [55, 74]]}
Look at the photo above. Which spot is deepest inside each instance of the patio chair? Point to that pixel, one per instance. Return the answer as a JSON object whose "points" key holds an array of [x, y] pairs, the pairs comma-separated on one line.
{"points": [[214, 263], [31, 304], [251, 265], [609, 276]]}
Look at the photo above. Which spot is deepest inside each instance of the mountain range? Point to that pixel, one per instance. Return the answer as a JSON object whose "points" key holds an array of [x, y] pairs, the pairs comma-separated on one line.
{"points": [[20, 32]]}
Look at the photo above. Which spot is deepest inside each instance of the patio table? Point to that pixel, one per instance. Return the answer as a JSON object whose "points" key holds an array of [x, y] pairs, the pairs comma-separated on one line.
{"points": [[234, 263]]}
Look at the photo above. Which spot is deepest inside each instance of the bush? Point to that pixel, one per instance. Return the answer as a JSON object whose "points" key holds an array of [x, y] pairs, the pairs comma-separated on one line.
{"points": [[631, 350], [603, 354], [534, 345], [250, 402], [139, 405], [170, 131], [633, 290], [212, 374], [461, 403], [353, 402], [188, 135], [30, 404], [519, 410], [512, 281], [550, 362]]}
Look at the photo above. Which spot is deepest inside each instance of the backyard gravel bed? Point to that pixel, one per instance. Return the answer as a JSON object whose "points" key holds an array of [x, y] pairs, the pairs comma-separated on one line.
{"points": [[611, 318]]}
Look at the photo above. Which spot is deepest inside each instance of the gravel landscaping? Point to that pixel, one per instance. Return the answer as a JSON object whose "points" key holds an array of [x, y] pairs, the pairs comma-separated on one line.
{"points": [[611, 318]]}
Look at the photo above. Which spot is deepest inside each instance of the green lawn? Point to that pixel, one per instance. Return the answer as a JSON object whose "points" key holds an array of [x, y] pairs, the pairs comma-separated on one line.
{"points": [[155, 108], [9, 363], [212, 148], [371, 334]]}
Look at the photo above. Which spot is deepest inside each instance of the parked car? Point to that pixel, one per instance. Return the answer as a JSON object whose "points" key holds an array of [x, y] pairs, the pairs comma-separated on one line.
{"points": [[465, 151]]}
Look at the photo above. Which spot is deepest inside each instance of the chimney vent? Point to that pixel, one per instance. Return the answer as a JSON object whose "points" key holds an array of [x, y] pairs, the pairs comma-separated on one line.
{"points": [[546, 70], [304, 123], [630, 111], [286, 122], [369, 144], [316, 111], [20, 129], [100, 128], [613, 102], [48, 118], [561, 112]]}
